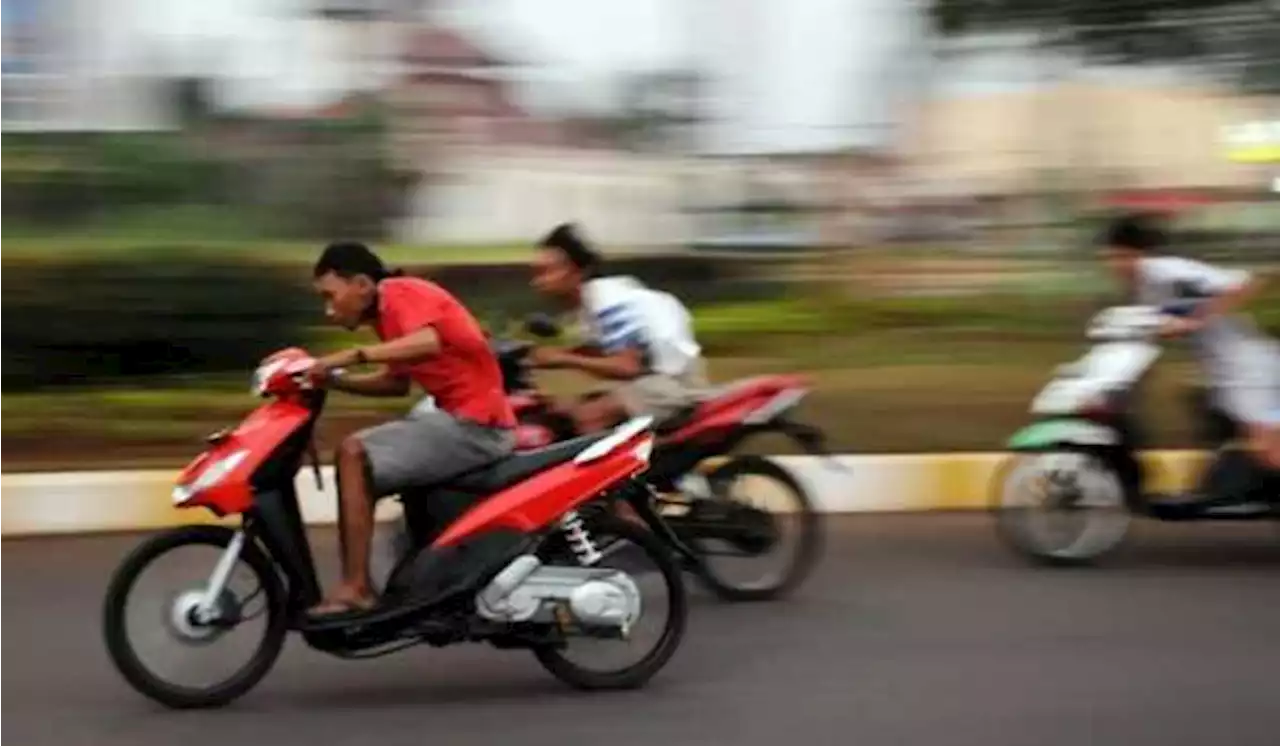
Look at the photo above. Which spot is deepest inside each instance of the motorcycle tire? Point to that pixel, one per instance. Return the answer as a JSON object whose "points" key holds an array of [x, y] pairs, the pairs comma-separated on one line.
{"points": [[1011, 522], [810, 541], [638, 674], [136, 673]]}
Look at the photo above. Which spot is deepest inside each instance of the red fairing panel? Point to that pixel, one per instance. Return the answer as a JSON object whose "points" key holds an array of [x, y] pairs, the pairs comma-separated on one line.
{"points": [[259, 434], [547, 496], [733, 406]]}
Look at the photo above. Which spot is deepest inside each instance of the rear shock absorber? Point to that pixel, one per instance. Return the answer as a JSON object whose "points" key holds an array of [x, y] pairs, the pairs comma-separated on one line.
{"points": [[579, 539]]}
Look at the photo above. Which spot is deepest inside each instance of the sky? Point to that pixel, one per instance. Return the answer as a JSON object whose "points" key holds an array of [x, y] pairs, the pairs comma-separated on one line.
{"points": [[785, 74]]}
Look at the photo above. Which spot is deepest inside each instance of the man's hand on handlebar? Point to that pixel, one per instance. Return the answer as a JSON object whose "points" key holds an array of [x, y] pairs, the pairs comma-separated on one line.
{"points": [[1177, 326], [326, 368], [558, 357], [547, 357]]}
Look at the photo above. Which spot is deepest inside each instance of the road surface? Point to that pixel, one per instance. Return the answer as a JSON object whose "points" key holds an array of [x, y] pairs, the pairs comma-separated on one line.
{"points": [[916, 630]]}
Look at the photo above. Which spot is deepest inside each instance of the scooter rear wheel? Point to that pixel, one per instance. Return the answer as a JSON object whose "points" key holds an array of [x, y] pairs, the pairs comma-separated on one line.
{"points": [[174, 616], [761, 532], [557, 660]]}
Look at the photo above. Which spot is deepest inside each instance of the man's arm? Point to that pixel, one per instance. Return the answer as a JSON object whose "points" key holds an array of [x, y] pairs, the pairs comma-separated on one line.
{"points": [[411, 348], [381, 383], [1229, 289], [624, 365], [1230, 299]]}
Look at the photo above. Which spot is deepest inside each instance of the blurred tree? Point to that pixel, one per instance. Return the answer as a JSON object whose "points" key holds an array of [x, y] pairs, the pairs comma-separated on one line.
{"points": [[658, 110], [193, 101], [1234, 38]]}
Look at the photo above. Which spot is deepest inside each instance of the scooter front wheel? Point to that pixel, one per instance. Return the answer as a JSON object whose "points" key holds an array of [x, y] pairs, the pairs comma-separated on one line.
{"points": [[138, 620], [1060, 508]]}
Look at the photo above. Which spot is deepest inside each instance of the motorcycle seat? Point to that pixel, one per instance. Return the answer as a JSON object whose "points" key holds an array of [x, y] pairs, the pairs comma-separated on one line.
{"points": [[678, 419], [707, 398], [523, 464]]}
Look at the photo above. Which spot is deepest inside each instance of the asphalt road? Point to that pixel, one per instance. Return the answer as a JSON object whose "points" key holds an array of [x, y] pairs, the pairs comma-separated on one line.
{"points": [[916, 630]]}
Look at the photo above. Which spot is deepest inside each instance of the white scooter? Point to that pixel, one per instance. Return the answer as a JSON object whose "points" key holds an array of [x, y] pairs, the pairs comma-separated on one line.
{"points": [[1068, 494]]}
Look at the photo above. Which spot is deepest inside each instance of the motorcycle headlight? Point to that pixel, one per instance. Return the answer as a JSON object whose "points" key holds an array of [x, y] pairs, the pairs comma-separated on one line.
{"points": [[212, 474]]}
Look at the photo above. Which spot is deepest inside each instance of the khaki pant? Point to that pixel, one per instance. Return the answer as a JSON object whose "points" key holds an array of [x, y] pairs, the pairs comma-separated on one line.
{"points": [[660, 396]]}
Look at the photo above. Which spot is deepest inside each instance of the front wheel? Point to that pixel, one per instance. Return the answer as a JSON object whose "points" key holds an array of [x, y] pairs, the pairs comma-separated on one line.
{"points": [[757, 532], [161, 642], [601, 664], [1062, 508]]}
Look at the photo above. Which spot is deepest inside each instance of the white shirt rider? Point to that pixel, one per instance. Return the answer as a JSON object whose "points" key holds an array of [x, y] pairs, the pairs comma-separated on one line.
{"points": [[621, 312]]}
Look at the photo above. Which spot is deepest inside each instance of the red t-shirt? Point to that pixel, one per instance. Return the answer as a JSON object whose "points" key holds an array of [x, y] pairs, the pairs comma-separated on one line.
{"points": [[463, 377]]}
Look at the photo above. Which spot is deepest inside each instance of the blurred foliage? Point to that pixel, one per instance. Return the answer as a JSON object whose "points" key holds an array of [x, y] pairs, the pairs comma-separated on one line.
{"points": [[1235, 37], [95, 321], [287, 178], [74, 319], [57, 180]]}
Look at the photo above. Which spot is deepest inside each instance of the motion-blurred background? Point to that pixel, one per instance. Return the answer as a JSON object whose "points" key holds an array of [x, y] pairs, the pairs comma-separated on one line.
{"points": [[896, 196]]}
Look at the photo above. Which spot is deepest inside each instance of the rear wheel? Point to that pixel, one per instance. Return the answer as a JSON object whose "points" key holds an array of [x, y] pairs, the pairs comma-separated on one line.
{"points": [[757, 531], [159, 642], [596, 664], [1064, 508]]}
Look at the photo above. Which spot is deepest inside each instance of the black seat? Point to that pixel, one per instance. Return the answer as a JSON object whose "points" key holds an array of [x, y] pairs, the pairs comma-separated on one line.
{"points": [[518, 467], [678, 419]]}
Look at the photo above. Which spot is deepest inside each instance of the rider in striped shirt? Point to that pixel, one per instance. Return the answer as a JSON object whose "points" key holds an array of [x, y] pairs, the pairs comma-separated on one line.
{"points": [[642, 338]]}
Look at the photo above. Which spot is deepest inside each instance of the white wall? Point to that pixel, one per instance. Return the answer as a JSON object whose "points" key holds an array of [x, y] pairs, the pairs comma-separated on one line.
{"points": [[621, 199]]}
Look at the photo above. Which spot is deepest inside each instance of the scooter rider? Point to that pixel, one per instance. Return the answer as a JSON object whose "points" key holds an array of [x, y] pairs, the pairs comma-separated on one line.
{"points": [[1241, 363], [427, 337], [644, 336]]}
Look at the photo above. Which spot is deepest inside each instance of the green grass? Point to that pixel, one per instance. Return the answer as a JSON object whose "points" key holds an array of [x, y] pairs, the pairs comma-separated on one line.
{"points": [[893, 391]]}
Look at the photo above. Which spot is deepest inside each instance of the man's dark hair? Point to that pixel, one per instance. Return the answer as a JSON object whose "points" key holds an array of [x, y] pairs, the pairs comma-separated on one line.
{"points": [[350, 258], [565, 238], [1138, 231]]}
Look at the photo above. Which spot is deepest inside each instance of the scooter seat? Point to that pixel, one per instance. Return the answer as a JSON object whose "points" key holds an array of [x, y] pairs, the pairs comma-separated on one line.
{"points": [[678, 419], [522, 465]]}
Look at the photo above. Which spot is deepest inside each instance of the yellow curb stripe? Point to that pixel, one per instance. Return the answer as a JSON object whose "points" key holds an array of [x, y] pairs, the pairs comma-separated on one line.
{"points": [[88, 502]]}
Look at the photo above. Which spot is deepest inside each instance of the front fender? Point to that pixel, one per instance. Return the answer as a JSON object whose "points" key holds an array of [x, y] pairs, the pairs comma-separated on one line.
{"points": [[1072, 432]]}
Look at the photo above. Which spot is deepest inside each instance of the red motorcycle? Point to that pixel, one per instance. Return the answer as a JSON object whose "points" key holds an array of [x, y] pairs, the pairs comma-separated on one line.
{"points": [[511, 555], [692, 476]]}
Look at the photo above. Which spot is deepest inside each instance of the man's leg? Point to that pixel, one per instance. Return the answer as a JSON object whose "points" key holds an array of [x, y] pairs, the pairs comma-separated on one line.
{"points": [[1264, 443], [426, 449], [355, 530], [598, 412]]}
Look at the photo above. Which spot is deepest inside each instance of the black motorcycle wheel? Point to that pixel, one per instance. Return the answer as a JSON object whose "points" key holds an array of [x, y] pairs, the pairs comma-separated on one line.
{"points": [[554, 658], [125, 656], [808, 546]]}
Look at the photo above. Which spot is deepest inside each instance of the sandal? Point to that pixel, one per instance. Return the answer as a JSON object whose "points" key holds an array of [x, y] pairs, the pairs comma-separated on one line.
{"points": [[341, 607]]}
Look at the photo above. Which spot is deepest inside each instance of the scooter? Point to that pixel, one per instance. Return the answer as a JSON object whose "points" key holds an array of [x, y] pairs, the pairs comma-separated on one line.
{"points": [[511, 555], [692, 474], [1068, 493]]}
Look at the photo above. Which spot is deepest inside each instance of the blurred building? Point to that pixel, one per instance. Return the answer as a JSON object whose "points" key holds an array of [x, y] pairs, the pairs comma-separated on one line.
{"points": [[1083, 135], [66, 68]]}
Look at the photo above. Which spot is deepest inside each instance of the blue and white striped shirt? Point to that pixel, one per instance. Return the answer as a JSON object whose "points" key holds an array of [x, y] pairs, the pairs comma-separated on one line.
{"points": [[621, 313]]}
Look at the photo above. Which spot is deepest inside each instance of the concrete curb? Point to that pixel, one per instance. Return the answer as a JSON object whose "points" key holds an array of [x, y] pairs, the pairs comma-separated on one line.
{"points": [[91, 502]]}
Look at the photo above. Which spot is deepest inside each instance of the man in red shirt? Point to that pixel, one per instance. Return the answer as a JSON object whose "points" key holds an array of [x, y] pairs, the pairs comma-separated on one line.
{"points": [[427, 337]]}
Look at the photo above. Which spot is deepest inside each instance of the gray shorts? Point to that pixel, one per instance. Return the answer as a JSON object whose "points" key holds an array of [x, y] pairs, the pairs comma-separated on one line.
{"points": [[1244, 374], [660, 396], [428, 448]]}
